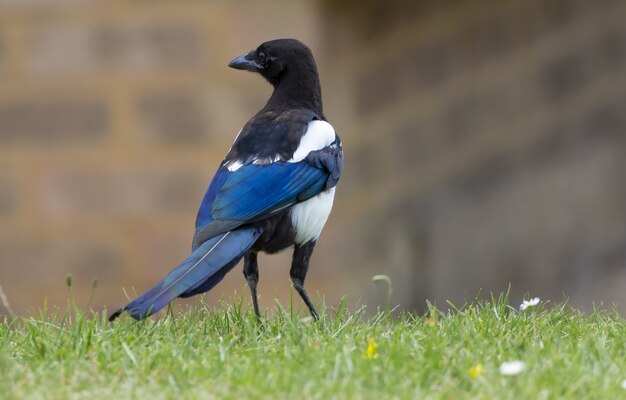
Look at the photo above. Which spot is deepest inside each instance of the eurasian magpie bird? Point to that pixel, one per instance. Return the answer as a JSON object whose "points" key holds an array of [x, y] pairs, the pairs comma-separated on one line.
{"points": [[273, 190]]}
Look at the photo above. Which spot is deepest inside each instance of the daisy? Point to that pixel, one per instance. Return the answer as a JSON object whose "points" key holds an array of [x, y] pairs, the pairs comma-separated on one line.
{"points": [[529, 303], [510, 368]]}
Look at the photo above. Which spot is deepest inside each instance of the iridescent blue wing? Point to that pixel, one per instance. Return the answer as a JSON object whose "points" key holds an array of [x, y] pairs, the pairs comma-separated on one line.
{"points": [[254, 192]]}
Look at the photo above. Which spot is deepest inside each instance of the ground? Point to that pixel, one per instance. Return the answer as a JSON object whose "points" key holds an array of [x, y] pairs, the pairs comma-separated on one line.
{"points": [[223, 352]]}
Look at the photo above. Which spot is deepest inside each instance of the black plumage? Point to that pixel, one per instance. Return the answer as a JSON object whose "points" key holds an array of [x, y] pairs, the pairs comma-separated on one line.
{"points": [[273, 190]]}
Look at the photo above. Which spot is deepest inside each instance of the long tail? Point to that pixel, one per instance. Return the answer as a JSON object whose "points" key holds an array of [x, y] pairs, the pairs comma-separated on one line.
{"points": [[202, 270]]}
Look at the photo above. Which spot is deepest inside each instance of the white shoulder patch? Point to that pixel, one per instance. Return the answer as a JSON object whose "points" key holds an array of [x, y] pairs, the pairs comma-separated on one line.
{"points": [[309, 217], [233, 165], [319, 134]]}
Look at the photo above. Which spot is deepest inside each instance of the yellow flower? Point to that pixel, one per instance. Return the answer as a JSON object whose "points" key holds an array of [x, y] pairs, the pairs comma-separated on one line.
{"points": [[476, 370], [370, 353]]}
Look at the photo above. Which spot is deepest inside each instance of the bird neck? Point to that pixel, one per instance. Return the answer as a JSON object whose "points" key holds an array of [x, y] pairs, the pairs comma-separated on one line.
{"points": [[297, 88]]}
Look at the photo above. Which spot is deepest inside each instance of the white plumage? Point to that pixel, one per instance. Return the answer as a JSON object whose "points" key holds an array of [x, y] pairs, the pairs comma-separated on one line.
{"points": [[309, 217], [234, 165], [319, 134]]}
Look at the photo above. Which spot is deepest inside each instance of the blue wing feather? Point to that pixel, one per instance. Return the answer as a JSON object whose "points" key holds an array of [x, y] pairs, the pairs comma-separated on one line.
{"points": [[204, 212], [264, 190], [253, 192], [204, 268]]}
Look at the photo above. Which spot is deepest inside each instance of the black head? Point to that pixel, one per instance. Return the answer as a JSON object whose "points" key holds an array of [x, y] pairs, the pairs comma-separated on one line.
{"points": [[274, 59]]}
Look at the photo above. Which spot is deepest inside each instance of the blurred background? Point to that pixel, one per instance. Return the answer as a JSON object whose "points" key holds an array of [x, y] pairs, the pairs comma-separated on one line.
{"points": [[485, 144]]}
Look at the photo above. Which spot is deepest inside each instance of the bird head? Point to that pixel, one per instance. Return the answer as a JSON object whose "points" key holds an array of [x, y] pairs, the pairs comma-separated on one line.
{"points": [[275, 58]]}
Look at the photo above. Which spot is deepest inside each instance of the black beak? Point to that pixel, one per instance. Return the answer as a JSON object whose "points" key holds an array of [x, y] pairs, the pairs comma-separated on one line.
{"points": [[245, 62]]}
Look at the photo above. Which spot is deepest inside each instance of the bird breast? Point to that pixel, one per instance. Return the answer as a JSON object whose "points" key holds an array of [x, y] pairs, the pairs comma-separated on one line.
{"points": [[309, 217]]}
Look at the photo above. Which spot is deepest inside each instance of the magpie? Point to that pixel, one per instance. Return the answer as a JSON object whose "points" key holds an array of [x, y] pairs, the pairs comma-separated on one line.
{"points": [[274, 189]]}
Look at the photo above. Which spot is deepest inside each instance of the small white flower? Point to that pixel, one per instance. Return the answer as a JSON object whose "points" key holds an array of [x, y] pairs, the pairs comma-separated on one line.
{"points": [[510, 368], [624, 383], [529, 303]]}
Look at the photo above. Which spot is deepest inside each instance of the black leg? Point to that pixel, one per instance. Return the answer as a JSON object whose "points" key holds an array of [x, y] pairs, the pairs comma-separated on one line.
{"points": [[251, 272], [299, 268]]}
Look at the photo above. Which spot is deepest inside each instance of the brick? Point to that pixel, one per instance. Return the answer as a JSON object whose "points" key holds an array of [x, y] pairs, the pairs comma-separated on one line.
{"points": [[38, 4], [556, 142], [558, 14], [1, 54], [53, 121], [372, 91], [92, 260], [605, 122], [173, 118], [487, 175], [160, 248], [486, 39], [7, 196], [376, 18], [427, 66], [611, 49], [138, 48], [472, 113], [179, 191], [562, 77], [413, 142], [464, 117], [34, 269], [122, 192], [419, 68]]}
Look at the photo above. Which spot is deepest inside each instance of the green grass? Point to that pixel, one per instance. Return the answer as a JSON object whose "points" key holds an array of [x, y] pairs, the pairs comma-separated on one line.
{"points": [[209, 353]]}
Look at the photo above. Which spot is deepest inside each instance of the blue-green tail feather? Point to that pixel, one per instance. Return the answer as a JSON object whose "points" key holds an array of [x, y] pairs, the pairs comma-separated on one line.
{"points": [[199, 272]]}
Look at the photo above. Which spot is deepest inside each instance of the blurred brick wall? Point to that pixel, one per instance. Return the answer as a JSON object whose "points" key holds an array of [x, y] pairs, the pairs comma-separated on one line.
{"points": [[113, 117], [486, 145]]}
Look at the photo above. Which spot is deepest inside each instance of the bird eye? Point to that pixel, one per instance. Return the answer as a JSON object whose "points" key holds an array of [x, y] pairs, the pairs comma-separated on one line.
{"points": [[261, 57]]}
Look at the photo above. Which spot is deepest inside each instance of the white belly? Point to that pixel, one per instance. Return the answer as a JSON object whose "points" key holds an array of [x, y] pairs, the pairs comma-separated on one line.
{"points": [[308, 218]]}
